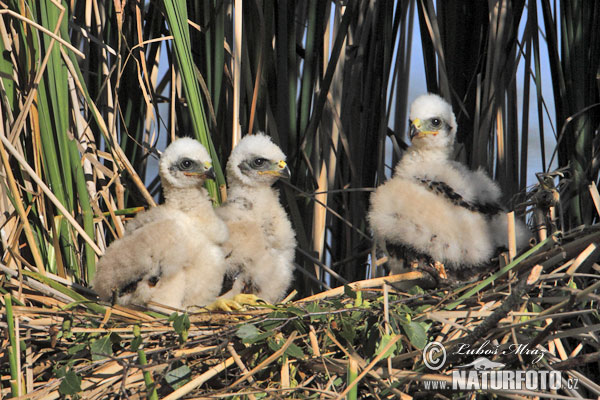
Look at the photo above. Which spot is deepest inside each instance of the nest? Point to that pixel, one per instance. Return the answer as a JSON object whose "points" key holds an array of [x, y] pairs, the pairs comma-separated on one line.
{"points": [[363, 340]]}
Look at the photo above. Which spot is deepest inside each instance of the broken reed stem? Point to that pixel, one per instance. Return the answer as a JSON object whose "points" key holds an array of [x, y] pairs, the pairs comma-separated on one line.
{"points": [[512, 235], [584, 255], [386, 316], [540, 224], [285, 373], [352, 375], [314, 342], [150, 385], [13, 355]]}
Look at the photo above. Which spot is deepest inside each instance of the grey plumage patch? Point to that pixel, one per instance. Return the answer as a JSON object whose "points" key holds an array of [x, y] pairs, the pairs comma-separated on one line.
{"points": [[229, 280], [244, 203], [408, 254], [129, 287]]}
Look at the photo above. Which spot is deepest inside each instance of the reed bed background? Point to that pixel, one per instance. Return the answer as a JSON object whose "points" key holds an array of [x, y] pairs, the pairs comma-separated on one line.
{"points": [[92, 91]]}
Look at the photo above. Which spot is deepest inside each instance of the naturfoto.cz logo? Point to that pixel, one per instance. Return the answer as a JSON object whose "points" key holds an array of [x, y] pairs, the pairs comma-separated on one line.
{"points": [[483, 373]]}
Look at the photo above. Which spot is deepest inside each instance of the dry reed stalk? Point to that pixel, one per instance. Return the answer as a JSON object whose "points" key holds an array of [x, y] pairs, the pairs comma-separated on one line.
{"points": [[584, 255], [241, 366], [49, 193], [237, 72], [512, 236], [314, 343], [368, 284]]}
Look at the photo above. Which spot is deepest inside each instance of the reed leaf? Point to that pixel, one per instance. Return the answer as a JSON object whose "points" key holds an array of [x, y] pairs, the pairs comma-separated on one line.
{"points": [[176, 13]]}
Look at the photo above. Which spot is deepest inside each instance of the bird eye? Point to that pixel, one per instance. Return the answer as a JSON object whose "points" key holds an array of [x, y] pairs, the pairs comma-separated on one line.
{"points": [[259, 162], [436, 122], [185, 164]]}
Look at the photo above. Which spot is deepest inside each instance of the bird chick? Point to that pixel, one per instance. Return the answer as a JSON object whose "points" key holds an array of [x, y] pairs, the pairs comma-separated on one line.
{"points": [[261, 242], [436, 209], [170, 254]]}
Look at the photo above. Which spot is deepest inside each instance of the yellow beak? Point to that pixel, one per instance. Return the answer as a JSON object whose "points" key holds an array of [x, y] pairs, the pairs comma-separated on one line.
{"points": [[281, 170], [417, 131]]}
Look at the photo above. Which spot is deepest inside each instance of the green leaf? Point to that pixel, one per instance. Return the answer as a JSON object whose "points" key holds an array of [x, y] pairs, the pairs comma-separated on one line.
{"points": [[247, 331], [299, 326], [274, 345], [385, 339], [571, 284], [71, 384], [416, 333], [76, 348], [60, 372], [348, 330], [314, 307], [296, 311], [274, 320], [178, 376], [257, 338], [66, 328], [294, 351], [415, 290], [181, 325], [101, 348]]}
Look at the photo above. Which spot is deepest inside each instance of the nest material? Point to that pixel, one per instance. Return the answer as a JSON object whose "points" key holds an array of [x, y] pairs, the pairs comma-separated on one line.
{"points": [[58, 343]]}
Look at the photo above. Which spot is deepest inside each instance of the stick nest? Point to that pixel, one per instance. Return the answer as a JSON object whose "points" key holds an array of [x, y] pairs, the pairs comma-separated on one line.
{"points": [[364, 340]]}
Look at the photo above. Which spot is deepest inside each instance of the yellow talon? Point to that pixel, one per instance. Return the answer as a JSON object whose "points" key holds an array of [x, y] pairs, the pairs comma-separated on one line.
{"points": [[237, 303]]}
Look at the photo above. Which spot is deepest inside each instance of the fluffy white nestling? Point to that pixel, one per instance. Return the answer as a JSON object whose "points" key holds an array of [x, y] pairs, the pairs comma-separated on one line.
{"points": [[434, 208], [261, 242], [170, 254]]}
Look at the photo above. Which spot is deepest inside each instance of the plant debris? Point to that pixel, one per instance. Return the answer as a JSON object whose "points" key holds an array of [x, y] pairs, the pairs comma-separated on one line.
{"points": [[365, 339]]}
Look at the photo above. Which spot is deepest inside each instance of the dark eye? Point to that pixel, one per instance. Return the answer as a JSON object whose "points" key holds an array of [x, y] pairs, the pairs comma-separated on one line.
{"points": [[185, 164], [436, 122], [259, 162]]}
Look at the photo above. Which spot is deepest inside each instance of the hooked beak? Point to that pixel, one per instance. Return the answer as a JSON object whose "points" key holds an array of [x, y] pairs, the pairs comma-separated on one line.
{"points": [[210, 174], [285, 173], [207, 173], [416, 129], [279, 170]]}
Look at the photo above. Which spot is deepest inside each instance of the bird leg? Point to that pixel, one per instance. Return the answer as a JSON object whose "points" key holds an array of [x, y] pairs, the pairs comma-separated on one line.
{"points": [[237, 303]]}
